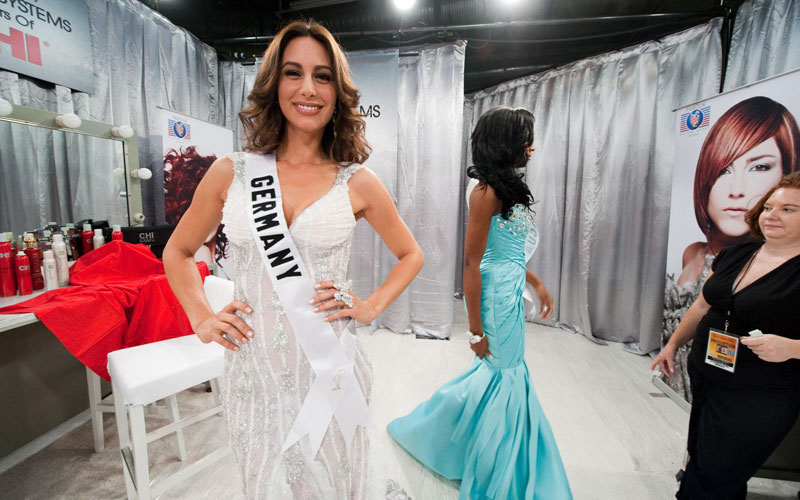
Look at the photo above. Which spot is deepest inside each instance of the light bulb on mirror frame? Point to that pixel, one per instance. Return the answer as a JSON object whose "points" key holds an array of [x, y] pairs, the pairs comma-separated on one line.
{"points": [[122, 131], [68, 120], [5, 107], [142, 173]]}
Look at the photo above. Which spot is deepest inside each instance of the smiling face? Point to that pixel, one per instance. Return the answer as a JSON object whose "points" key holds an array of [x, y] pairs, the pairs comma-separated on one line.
{"points": [[780, 219], [741, 184], [306, 88]]}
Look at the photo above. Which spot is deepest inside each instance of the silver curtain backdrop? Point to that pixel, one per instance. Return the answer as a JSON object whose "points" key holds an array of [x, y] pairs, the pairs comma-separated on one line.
{"points": [[602, 173], [430, 107], [765, 42], [141, 61]]}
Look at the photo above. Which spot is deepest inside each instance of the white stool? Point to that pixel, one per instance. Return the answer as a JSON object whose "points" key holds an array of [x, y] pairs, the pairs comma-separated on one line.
{"points": [[147, 373], [97, 406]]}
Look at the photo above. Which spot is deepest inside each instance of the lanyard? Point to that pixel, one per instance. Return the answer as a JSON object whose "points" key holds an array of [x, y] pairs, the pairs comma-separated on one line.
{"points": [[735, 288]]}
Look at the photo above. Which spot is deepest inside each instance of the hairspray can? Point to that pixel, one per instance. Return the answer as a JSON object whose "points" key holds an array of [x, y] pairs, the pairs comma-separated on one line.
{"points": [[34, 261], [116, 234], [86, 236], [24, 274], [62, 266], [7, 286], [50, 272]]}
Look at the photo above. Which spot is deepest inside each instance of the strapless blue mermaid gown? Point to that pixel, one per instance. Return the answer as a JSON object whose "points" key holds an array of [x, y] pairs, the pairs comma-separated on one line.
{"points": [[486, 427]]}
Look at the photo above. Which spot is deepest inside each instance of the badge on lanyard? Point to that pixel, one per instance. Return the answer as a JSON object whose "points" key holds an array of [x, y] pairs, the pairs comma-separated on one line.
{"points": [[721, 350]]}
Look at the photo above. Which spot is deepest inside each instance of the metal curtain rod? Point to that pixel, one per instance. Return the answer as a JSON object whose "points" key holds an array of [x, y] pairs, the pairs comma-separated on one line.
{"points": [[483, 26]]}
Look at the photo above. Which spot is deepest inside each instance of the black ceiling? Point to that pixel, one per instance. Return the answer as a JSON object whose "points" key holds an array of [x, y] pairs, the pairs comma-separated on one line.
{"points": [[503, 41]]}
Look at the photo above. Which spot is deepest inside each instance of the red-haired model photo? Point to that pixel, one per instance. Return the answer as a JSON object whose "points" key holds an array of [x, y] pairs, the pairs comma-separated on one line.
{"points": [[746, 153], [183, 170]]}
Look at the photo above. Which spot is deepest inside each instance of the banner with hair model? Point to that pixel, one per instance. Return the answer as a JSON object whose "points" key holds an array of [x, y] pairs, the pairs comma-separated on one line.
{"points": [[190, 146], [730, 150]]}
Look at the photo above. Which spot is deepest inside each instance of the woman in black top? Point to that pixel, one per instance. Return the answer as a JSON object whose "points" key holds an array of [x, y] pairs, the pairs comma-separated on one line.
{"points": [[745, 358]]}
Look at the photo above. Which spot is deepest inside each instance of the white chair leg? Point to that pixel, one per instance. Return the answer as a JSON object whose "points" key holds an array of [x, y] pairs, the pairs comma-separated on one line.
{"points": [[214, 382], [93, 384], [121, 413], [173, 410], [141, 465]]}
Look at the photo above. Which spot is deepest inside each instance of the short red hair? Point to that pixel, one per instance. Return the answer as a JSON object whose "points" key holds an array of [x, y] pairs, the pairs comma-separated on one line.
{"points": [[744, 126]]}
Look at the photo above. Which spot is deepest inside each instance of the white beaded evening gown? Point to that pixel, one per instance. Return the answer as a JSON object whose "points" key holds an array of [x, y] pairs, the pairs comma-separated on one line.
{"points": [[267, 380]]}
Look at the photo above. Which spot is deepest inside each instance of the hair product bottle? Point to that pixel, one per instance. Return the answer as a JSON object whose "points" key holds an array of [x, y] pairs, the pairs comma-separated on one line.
{"points": [[86, 236], [7, 286], [34, 262], [62, 266], [73, 240], [24, 274], [98, 239], [116, 234], [50, 272]]}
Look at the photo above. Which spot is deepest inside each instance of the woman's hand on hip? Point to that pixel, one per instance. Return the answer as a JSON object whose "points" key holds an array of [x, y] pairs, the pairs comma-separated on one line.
{"points": [[772, 348], [329, 297], [226, 326]]}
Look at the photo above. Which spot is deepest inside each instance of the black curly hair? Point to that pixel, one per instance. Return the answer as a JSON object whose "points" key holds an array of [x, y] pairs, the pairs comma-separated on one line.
{"points": [[498, 152]]}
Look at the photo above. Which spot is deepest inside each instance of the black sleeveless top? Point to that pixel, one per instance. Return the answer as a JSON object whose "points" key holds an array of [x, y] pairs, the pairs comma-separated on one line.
{"points": [[770, 304]]}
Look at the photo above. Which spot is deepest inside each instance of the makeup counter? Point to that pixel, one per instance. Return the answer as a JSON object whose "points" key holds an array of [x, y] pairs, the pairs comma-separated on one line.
{"points": [[60, 168]]}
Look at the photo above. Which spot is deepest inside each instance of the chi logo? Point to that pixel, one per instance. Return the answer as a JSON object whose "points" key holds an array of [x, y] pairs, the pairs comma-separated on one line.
{"points": [[24, 46], [147, 237]]}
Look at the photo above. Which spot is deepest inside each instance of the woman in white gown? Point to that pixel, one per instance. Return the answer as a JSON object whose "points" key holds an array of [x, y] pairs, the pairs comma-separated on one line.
{"points": [[302, 114]]}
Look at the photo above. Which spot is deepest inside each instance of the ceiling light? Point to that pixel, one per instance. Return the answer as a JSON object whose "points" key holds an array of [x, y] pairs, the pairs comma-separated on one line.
{"points": [[404, 4], [68, 120], [123, 131], [5, 107]]}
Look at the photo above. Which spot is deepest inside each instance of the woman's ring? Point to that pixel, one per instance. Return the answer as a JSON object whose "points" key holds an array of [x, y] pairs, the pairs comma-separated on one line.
{"points": [[343, 286], [345, 297]]}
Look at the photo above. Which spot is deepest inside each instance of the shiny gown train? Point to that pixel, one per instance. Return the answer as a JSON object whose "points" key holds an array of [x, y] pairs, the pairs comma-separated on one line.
{"points": [[486, 427]]}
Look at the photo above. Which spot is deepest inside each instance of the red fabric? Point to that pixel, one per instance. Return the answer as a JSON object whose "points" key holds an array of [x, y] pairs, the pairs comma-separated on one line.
{"points": [[120, 299]]}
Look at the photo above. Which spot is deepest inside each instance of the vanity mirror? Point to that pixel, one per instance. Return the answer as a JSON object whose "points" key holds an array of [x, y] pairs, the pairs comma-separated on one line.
{"points": [[63, 169]]}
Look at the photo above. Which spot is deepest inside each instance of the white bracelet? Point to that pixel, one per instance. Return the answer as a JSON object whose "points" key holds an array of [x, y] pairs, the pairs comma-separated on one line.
{"points": [[473, 338]]}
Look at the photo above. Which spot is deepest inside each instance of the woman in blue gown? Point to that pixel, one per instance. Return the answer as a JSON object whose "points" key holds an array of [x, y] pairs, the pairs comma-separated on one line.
{"points": [[486, 427]]}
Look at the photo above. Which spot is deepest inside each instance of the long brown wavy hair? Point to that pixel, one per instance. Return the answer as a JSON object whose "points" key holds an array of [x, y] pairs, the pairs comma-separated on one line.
{"points": [[264, 124]]}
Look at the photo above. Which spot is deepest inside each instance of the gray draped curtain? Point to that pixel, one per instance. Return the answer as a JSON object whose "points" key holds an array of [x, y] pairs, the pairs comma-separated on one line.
{"points": [[140, 61], [765, 42], [430, 108], [602, 174], [235, 83]]}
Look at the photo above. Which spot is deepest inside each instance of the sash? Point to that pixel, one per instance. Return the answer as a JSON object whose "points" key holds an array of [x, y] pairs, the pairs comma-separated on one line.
{"points": [[335, 390]]}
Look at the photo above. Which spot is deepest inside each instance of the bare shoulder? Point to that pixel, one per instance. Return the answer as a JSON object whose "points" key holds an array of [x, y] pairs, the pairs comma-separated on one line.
{"points": [[218, 178], [364, 179], [484, 199], [694, 251]]}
